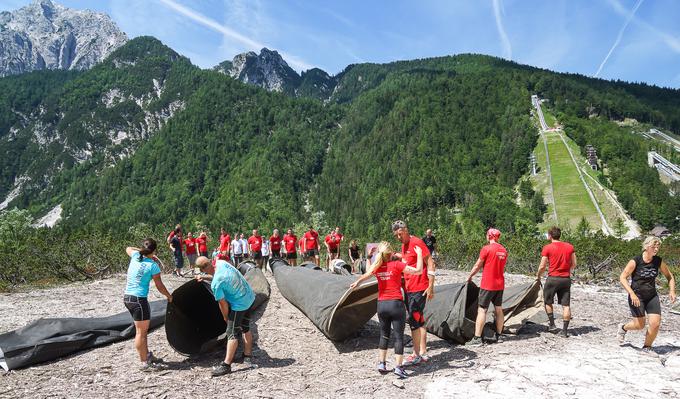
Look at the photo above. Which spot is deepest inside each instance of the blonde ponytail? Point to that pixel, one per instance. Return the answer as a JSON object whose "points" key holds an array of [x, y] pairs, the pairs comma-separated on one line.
{"points": [[384, 255]]}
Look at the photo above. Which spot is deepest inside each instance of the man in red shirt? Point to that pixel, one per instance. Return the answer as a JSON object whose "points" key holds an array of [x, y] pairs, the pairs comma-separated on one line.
{"points": [[225, 242], [562, 259], [419, 288], [290, 247], [255, 247], [332, 242], [275, 244], [492, 257], [190, 249], [310, 245]]}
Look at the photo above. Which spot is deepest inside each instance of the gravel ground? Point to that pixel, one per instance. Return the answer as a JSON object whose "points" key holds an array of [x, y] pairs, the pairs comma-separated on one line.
{"points": [[295, 359]]}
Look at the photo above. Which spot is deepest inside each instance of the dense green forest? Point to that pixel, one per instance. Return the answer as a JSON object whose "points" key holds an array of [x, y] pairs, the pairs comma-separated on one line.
{"points": [[441, 142]]}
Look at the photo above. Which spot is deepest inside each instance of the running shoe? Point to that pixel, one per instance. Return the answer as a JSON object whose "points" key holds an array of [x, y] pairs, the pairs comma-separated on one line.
{"points": [[153, 359], [564, 333], [400, 372], [500, 338], [424, 358], [222, 369], [382, 368], [621, 334], [412, 360], [150, 367], [476, 341], [553, 328], [647, 350], [248, 362]]}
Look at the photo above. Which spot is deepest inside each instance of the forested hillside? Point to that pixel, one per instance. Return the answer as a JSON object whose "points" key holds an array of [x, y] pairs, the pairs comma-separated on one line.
{"points": [[148, 137]]}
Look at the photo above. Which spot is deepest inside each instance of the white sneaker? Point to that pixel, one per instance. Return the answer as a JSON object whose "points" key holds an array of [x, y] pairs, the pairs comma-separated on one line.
{"points": [[621, 333]]}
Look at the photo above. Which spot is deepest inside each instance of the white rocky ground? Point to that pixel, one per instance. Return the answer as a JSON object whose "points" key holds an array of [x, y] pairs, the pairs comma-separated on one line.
{"points": [[295, 359]]}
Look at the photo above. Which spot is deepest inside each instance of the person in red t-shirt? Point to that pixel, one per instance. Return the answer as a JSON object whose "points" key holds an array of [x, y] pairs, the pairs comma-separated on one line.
{"points": [[419, 288], [275, 244], [202, 244], [492, 258], [255, 247], [225, 242], [310, 245], [190, 249], [562, 259], [332, 242], [390, 300], [290, 247]]}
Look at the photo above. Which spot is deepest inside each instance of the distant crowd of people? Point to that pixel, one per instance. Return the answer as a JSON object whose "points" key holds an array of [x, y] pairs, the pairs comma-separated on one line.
{"points": [[406, 281], [260, 249]]}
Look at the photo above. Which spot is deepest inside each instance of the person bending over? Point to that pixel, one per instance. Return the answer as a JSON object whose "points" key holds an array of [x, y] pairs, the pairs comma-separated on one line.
{"points": [[419, 288], [391, 310], [492, 258], [562, 259], [142, 269], [642, 295], [235, 298]]}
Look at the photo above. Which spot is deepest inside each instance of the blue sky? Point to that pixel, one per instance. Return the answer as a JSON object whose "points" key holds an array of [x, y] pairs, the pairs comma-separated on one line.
{"points": [[630, 40]]}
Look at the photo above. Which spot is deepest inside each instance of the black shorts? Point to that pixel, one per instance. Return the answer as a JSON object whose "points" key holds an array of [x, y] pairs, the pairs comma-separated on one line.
{"points": [[238, 322], [138, 307], [257, 254], [291, 255], [557, 285], [179, 261], [276, 253], [203, 253], [649, 305], [487, 297], [415, 304], [311, 253], [334, 251]]}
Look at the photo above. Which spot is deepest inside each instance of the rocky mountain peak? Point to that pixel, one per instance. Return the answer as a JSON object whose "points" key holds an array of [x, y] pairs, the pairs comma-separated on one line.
{"points": [[267, 70], [47, 35]]}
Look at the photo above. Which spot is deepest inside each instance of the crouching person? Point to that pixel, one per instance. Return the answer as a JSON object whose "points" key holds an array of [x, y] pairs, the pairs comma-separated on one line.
{"points": [[235, 298]]}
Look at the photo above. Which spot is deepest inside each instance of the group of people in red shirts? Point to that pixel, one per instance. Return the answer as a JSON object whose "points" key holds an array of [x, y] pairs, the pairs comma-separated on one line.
{"points": [[255, 247], [417, 268]]}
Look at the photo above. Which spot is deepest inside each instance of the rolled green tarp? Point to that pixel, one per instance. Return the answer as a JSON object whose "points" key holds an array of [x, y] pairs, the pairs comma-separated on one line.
{"points": [[451, 314], [193, 321], [326, 299]]}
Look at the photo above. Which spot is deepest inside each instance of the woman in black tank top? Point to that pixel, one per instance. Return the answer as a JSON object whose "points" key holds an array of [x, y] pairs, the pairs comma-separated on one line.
{"points": [[643, 298]]}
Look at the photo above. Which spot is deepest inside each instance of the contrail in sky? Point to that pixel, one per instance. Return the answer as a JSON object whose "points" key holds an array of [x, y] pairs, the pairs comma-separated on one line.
{"points": [[619, 36], [216, 26], [507, 48]]}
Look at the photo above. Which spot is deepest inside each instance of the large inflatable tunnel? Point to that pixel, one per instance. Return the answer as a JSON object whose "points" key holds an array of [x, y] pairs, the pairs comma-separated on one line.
{"points": [[326, 299], [451, 314], [193, 320]]}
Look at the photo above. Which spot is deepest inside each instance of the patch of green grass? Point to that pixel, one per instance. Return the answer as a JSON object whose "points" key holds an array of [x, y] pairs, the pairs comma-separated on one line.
{"points": [[550, 119], [571, 198]]}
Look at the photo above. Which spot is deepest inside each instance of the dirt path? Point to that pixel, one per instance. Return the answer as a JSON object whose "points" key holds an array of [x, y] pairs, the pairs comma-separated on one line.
{"points": [[295, 359]]}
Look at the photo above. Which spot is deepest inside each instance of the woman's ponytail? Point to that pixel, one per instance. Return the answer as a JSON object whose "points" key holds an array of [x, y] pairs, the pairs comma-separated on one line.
{"points": [[148, 247]]}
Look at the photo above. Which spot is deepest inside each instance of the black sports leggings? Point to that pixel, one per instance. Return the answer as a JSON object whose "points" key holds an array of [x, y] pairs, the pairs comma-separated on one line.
{"points": [[392, 314]]}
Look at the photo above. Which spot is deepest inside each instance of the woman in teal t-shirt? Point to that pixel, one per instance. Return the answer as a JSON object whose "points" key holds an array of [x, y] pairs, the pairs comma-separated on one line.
{"points": [[142, 269]]}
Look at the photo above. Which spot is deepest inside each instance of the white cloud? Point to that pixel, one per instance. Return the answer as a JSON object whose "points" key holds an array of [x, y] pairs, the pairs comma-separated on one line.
{"points": [[505, 41], [619, 36], [248, 42], [671, 41]]}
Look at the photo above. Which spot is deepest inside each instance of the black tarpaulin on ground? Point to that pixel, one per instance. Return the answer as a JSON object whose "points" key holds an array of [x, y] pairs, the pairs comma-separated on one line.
{"points": [[49, 339], [451, 314], [194, 322], [326, 299]]}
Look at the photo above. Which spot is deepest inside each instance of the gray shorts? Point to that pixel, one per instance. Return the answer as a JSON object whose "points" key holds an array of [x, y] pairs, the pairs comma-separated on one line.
{"points": [[192, 259]]}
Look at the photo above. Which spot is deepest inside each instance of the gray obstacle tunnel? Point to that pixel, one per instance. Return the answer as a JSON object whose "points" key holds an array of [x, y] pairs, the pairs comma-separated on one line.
{"points": [[451, 314], [193, 321], [326, 299]]}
